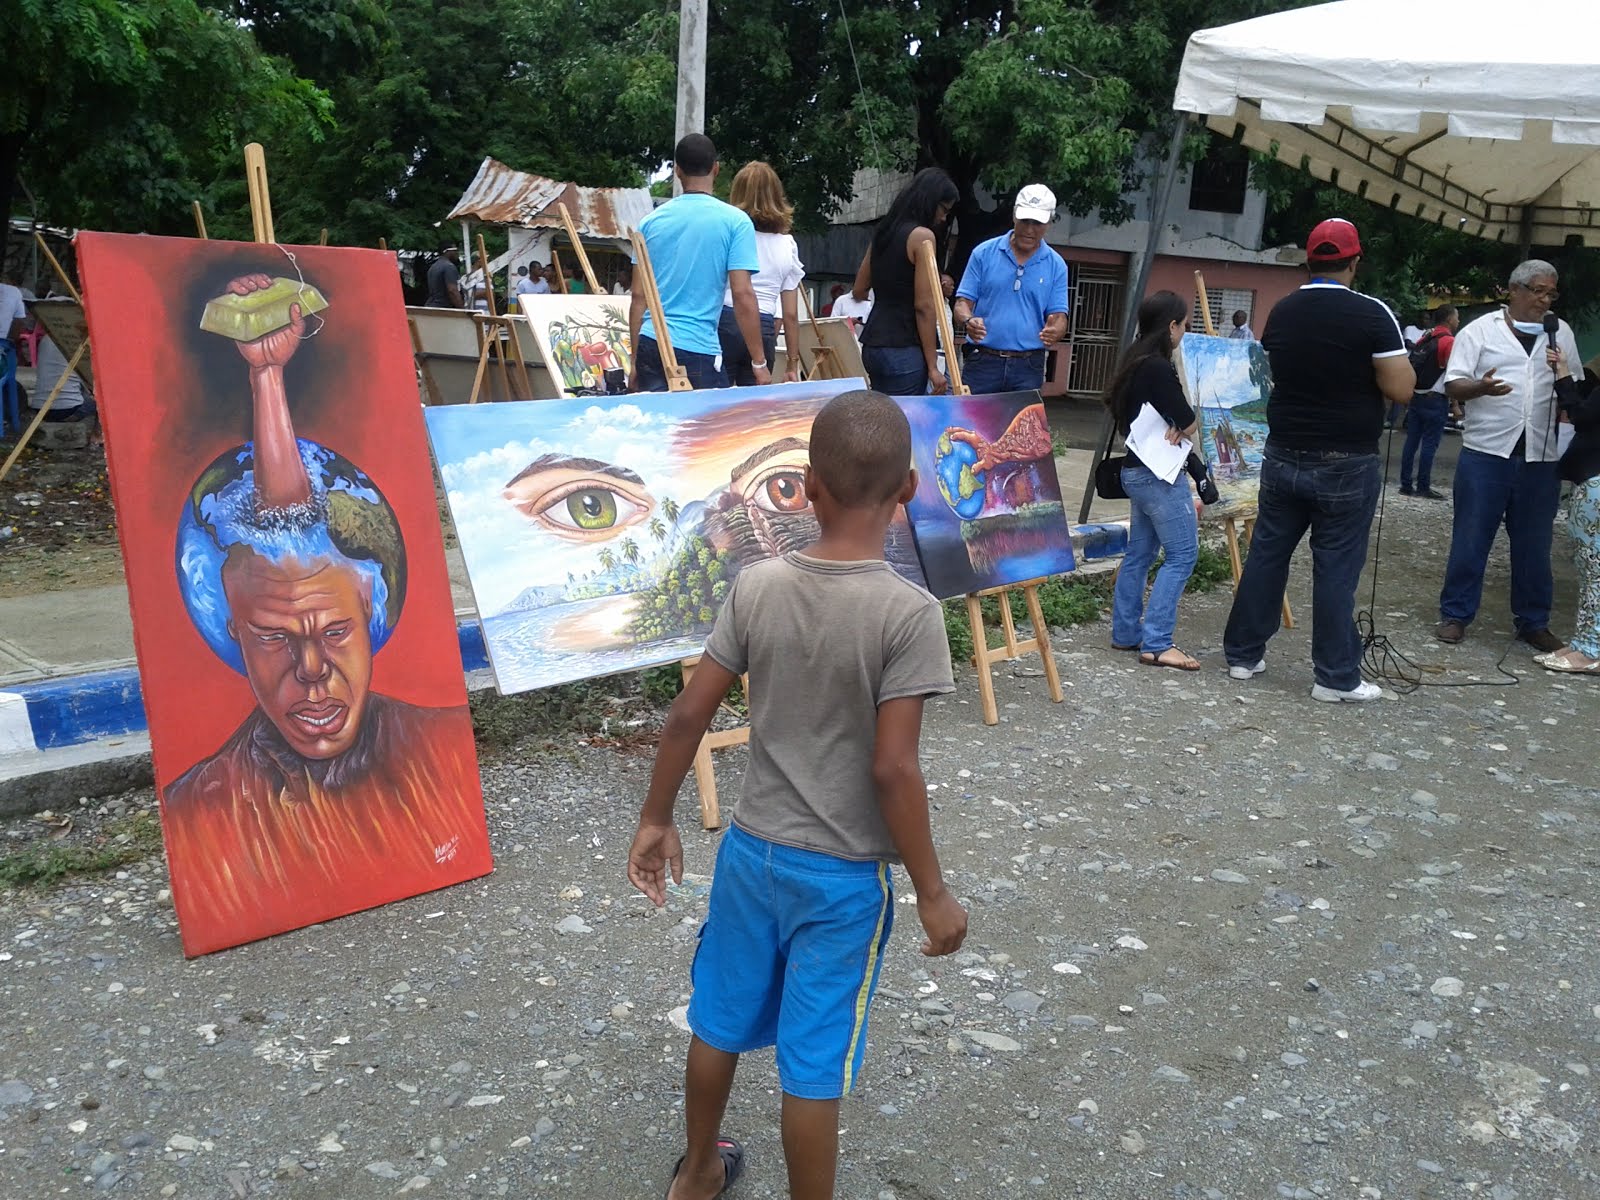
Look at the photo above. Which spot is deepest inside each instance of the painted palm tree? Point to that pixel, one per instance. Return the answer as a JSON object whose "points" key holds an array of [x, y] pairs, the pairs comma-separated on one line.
{"points": [[608, 560], [630, 550], [670, 510], [658, 529]]}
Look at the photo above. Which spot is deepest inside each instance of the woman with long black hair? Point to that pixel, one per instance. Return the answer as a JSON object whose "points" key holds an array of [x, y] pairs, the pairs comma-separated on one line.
{"points": [[1163, 515], [900, 345]]}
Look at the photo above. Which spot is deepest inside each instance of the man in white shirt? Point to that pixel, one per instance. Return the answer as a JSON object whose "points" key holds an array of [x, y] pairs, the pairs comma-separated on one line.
{"points": [[538, 278], [857, 311], [1502, 369], [72, 403], [1241, 327]]}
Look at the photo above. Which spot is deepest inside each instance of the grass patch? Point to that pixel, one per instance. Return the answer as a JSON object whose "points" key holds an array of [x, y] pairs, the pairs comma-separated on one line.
{"points": [[1065, 601], [1212, 568], [122, 841], [500, 722]]}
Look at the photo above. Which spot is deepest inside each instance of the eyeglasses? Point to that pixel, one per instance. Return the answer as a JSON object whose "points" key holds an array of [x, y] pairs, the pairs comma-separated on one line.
{"points": [[1549, 294], [1016, 284]]}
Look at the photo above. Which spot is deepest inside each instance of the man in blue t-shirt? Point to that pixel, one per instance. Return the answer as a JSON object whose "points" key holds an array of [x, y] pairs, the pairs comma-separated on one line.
{"points": [[699, 248], [1013, 298]]}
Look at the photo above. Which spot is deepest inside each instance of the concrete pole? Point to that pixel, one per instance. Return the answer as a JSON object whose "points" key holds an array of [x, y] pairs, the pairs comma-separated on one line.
{"points": [[1160, 199], [691, 73]]}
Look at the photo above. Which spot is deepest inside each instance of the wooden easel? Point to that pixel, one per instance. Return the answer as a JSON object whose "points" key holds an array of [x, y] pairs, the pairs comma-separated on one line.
{"points": [[578, 250], [644, 276], [72, 366], [705, 773], [826, 367], [490, 327], [1231, 523], [705, 776], [1011, 646]]}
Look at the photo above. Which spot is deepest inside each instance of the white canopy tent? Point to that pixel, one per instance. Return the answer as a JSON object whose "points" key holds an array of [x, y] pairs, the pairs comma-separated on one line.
{"points": [[1477, 114]]}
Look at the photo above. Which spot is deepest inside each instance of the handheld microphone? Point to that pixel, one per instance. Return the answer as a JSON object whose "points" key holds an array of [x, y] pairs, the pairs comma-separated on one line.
{"points": [[1552, 326]]}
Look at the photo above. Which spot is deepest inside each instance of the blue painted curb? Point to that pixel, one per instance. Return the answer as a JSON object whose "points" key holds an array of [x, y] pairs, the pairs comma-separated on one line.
{"points": [[71, 709]]}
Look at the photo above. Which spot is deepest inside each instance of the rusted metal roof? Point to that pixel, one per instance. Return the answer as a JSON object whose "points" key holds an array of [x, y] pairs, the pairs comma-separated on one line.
{"points": [[501, 195]]}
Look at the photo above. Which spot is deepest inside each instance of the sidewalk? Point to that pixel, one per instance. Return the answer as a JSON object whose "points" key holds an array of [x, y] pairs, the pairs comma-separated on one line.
{"points": [[71, 714]]}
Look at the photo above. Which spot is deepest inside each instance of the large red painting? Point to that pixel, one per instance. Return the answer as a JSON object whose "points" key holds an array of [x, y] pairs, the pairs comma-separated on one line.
{"points": [[291, 608]]}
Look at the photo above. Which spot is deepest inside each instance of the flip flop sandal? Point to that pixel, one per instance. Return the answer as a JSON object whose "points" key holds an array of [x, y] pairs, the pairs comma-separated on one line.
{"points": [[1555, 662], [1154, 660], [732, 1155]]}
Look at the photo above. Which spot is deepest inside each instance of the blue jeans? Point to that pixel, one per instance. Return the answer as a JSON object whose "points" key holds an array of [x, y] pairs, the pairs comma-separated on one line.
{"points": [[736, 355], [1162, 515], [992, 374], [702, 369], [896, 370], [1489, 491], [1424, 428], [1334, 495]]}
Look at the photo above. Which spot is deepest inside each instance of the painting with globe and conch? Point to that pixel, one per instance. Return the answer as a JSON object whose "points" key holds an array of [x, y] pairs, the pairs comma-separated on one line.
{"points": [[1229, 382], [988, 510], [601, 535]]}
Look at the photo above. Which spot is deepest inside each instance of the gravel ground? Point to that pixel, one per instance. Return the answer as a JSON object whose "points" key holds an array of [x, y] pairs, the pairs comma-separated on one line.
{"points": [[1225, 942]]}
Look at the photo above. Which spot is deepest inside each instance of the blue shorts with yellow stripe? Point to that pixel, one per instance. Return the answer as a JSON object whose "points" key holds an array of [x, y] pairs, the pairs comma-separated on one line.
{"points": [[789, 956]]}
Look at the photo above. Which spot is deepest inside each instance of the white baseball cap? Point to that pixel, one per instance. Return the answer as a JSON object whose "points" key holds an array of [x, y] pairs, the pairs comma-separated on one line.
{"points": [[1035, 203]]}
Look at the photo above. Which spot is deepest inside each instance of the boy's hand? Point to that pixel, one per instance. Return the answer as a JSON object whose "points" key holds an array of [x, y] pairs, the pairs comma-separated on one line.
{"points": [[655, 849], [944, 921]]}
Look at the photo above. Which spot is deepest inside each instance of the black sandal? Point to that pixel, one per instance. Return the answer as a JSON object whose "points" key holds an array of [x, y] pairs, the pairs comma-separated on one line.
{"points": [[732, 1155]]}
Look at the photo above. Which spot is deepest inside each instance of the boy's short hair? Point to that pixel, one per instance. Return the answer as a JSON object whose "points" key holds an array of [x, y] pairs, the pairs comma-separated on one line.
{"points": [[861, 448]]}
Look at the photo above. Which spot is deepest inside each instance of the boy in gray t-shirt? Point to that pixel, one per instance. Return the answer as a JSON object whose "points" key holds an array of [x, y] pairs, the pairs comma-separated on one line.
{"points": [[841, 654]]}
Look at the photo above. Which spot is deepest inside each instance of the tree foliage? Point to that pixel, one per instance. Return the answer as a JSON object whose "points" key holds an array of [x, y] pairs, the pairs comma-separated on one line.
{"points": [[1412, 264], [117, 113], [423, 91]]}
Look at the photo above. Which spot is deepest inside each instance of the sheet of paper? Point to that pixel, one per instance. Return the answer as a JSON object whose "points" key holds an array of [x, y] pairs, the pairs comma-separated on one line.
{"points": [[1148, 439]]}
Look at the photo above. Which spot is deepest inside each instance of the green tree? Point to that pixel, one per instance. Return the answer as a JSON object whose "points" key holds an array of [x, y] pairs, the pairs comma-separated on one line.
{"points": [[423, 91], [608, 560], [117, 113], [1410, 263], [999, 93]]}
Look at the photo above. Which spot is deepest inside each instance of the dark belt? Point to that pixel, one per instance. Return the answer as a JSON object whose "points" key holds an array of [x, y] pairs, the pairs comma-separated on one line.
{"points": [[976, 349]]}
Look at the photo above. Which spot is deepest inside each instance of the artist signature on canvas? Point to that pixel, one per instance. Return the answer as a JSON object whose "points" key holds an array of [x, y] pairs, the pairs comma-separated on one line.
{"points": [[445, 851]]}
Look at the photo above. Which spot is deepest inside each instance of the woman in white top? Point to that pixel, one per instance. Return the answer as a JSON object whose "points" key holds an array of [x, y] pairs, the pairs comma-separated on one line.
{"points": [[759, 193]]}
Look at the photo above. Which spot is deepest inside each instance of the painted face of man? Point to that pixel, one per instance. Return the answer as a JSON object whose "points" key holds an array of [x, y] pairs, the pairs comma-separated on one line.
{"points": [[302, 629]]}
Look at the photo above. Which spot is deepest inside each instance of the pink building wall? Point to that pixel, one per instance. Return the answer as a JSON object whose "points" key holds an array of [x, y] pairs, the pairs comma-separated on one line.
{"points": [[1269, 283]]}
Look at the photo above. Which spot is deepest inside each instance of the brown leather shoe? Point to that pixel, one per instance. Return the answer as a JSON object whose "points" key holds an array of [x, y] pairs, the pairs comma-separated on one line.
{"points": [[1450, 632], [1541, 640]]}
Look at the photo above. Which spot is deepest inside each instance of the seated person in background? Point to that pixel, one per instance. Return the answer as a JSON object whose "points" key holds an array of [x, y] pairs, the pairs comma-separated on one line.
{"points": [[75, 402]]}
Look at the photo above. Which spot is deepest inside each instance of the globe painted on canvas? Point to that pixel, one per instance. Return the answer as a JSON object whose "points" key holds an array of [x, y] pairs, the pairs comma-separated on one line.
{"points": [[960, 485]]}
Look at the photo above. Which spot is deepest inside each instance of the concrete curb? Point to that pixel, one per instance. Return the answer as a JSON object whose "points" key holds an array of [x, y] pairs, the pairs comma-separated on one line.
{"points": [[71, 736]]}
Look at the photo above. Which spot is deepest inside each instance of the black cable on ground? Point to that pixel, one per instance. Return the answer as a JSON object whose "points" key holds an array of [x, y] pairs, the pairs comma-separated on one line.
{"points": [[1381, 660]]}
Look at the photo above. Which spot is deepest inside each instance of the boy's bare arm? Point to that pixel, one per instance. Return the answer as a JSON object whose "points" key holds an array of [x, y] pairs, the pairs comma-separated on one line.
{"points": [[903, 800], [656, 846]]}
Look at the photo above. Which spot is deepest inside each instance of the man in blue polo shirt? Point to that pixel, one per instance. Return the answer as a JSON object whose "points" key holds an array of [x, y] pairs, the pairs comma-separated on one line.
{"points": [[700, 248], [1013, 298]]}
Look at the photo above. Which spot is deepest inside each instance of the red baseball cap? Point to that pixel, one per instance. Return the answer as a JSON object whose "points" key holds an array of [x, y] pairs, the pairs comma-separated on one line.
{"points": [[1333, 240]]}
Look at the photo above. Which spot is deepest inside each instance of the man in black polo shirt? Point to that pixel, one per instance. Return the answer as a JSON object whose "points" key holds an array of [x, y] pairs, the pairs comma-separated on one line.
{"points": [[1336, 356]]}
